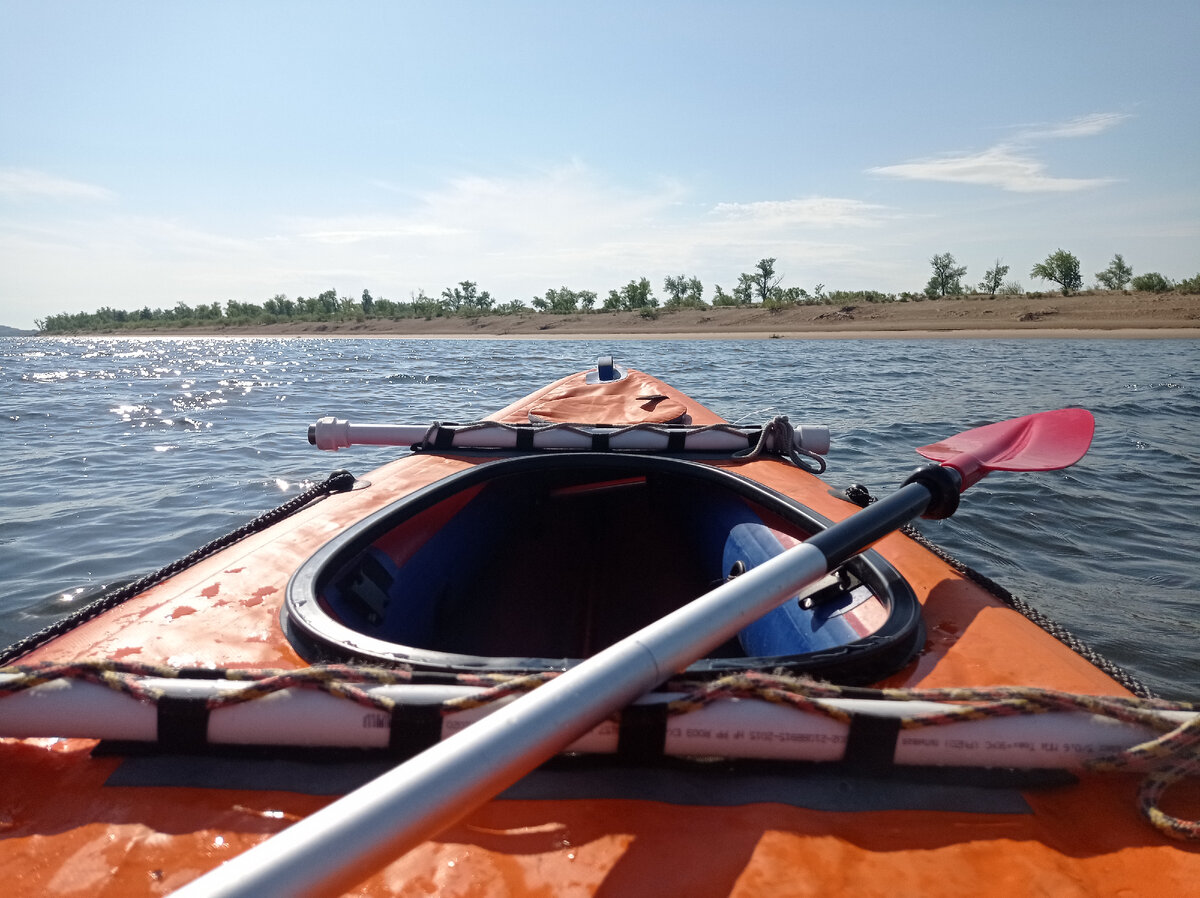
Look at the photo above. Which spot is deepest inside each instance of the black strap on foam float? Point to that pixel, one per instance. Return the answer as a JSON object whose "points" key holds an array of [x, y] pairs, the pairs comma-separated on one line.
{"points": [[642, 733], [182, 723], [414, 728], [524, 439], [443, 436], [676, 441], [871, 743], [599, 442]]}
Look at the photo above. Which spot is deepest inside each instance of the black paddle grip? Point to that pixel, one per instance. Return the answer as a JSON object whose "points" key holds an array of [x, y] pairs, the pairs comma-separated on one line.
{"points": [[847, 538]]}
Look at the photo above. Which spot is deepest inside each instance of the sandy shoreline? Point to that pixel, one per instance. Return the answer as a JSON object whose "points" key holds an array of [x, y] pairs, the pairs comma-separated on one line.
{"points": [[233, 333], [1097, 316]]}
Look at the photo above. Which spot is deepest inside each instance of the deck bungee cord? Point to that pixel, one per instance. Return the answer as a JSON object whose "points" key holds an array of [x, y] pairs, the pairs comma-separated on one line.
{"points": [[752, 714], [799, 444]]}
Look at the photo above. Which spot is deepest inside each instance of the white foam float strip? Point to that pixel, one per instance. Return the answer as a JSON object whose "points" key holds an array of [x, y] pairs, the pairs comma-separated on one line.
{"points": [[333, 434], [733, 728]]}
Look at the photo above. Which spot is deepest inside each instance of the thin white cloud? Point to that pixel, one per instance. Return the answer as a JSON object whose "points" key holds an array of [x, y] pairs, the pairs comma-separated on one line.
{"points": [[810, 212], [547, 208], [521, 234], [1081, 126], [1003, 166], [1010, 165], [30, 183]]}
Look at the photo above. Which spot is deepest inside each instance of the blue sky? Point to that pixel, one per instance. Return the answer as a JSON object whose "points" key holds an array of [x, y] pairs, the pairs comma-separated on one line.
{"points": [[152, 153]]}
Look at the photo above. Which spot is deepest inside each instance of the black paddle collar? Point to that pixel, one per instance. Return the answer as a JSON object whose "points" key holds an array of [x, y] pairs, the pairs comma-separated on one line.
{"points": [[943, 484]]}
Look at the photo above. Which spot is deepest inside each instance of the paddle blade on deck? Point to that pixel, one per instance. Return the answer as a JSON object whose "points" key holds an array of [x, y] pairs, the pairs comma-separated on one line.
{"points": [[1045, 441]]}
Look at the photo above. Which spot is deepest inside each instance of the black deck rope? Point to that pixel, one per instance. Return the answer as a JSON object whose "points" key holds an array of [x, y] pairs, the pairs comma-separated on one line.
{"points": [[778, 434], [776, 437], [337, 482]]}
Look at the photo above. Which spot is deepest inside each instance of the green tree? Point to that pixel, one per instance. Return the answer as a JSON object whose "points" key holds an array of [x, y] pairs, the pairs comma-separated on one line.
{"points": [[279, 304], [744, 291], [424, 306], [947, 276], [792, 295], [1152, 282], [1189, 285], [466, 299], [764, 279], [327, 304], [368, 303], [993, 280], [683, 292], [721, 298], [561, 301], [348, 307], [1116, 276], [634, 295], [1062, 268], [564, 300]]}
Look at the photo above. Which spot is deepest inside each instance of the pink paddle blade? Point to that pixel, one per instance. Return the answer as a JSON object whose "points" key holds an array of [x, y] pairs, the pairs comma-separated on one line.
{"points": [[1045, 441]]}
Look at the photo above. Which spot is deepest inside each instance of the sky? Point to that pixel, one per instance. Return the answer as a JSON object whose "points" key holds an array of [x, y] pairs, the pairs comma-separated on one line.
{"points": [[154, 153]]}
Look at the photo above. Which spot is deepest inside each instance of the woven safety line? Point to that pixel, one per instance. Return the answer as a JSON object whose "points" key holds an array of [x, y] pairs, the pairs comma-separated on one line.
{"points": [[862, 497], [1172, 756], [1051, 626]]}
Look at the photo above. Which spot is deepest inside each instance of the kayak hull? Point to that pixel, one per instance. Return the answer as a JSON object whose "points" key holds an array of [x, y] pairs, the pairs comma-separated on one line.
{"points": [[82, 818]]}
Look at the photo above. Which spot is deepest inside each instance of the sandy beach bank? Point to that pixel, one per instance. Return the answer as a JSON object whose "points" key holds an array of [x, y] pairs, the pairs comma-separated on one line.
{"points": [[1102, 315]]}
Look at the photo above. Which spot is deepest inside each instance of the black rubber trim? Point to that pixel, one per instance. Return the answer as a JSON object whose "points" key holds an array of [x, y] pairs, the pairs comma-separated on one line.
{"points": [[319, 638]]}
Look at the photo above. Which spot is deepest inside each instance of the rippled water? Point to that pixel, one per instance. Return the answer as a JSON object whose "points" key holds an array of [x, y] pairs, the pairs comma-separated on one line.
{"points": [[120, 455]]}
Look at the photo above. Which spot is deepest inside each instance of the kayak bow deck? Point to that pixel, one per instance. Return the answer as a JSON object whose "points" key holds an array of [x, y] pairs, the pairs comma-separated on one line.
{"points": [[517, 548]]}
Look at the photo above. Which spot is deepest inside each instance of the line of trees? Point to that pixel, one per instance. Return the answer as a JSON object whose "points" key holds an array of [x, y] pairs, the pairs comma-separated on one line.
{"points": [[1060, 267], [762, 286]]}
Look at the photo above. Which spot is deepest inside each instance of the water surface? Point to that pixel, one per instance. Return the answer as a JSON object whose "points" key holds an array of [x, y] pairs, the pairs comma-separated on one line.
{"points": [[120, 455]]}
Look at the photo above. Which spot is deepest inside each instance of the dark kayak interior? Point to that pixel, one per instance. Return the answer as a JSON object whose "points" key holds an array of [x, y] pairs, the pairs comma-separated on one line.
{"points": [[531, 563]]}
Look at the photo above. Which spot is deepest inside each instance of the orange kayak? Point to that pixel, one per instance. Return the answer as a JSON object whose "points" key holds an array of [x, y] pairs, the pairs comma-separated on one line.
{"points": [[495, 556]]}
